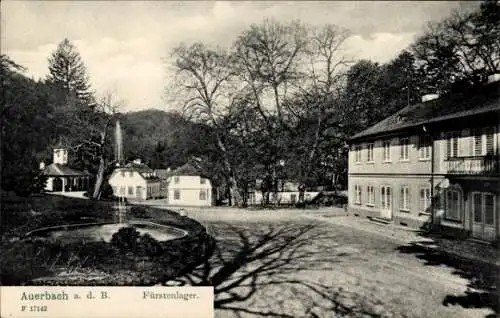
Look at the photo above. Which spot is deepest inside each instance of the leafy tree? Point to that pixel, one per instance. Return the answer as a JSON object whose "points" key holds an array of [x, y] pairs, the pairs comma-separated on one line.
{"points": [[463, 49], [25, 128], [361, 96]]}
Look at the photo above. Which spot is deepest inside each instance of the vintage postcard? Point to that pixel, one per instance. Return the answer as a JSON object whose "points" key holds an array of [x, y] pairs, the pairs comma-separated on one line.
{"points": [[250, 159]]}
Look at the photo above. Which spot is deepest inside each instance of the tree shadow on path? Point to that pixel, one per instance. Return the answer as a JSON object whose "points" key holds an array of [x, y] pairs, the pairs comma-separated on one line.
{"points": [[483, 278], [249, 258]]}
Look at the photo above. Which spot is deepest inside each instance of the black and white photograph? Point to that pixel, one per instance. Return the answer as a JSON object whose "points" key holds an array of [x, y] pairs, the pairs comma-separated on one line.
{"points": [[300, 158]]}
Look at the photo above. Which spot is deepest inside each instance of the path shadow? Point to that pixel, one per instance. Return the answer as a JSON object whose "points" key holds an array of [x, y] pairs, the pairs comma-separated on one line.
{"points": [[253, 265], [483, 278]]}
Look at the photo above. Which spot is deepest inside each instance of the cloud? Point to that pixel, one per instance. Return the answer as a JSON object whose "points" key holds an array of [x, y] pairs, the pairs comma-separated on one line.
{"points": [[379, 47], [123, 43]]}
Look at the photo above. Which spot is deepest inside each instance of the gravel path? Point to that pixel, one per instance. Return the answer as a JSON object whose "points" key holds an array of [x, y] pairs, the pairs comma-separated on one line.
{"points": [[298, 264]]}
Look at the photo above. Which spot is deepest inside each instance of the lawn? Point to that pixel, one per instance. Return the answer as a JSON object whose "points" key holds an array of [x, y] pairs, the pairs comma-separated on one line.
{"points": [[128, 259]]}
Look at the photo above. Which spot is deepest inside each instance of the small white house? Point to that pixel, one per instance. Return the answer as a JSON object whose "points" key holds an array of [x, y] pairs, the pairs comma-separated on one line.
{"points": [[187, 186], [60, 177], [135, 181]]}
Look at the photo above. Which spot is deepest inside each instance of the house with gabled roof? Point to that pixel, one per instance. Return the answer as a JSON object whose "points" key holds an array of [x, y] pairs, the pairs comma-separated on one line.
{"points": [[61, 177], [435, 162], [135, 181], [188, 185]]}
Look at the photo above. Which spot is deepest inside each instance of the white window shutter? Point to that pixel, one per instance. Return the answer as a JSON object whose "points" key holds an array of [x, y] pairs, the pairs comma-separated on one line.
{"points": [[448, 146], [490, 145], [461, 144]]}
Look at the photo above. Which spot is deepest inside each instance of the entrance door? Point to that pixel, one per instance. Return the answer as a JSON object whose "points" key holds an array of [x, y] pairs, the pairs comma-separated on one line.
{"points": [[483, 213], [386, 202], [57, 185], [138, 193]]}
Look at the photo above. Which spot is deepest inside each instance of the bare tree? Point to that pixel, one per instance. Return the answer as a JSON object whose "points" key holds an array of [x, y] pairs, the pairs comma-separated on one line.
{"points": [[314, 106], [268, 57], [204, 79], [325, 77]]}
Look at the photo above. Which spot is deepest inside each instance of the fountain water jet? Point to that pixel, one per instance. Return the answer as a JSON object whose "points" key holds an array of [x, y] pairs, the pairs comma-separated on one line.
{"points": [[120, 207]]}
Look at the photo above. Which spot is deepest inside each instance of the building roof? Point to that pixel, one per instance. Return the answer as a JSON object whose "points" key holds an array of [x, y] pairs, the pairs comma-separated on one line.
{"points": [[144, 171], [163, 173], [188, 169], [139, 167], [476, 101], [55, 169]]}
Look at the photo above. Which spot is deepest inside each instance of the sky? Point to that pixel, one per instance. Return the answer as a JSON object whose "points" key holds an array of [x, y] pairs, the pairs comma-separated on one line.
{"points": [[124, 45]]}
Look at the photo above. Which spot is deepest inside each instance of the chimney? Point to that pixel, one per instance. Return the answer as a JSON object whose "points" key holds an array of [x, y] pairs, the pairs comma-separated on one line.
{"points": [[429, 97], [60, 156], [493, 78], [168, 169]]}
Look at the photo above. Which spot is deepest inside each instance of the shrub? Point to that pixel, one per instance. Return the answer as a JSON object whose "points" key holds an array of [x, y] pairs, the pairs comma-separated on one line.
{"points": [[139, 212], [148, 246], [125, 239]]}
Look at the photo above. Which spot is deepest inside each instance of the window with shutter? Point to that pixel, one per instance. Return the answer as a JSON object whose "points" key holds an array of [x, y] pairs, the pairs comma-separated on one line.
{"points": [[452, 144], [448, 147], [371, 196], [404, 145], [490, 145], [455, 145], [358, 153], [404, 199], [387, 151], [424, 145], [357, 194], [478, 142], [370, 152], [425, 200]]}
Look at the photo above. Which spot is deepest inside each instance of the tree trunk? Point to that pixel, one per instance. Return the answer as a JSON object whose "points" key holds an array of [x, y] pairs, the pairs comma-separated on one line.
{"points": [[233, 190], [102, 167], [233, 187], [302, 190], [99, 180]]}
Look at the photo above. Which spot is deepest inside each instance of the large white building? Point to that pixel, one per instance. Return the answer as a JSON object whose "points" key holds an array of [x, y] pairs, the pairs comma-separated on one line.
{"points": [[135, 181], [433, 163]]}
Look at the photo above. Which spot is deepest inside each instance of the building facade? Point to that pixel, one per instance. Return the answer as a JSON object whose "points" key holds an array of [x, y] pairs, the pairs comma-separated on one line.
{"points": [[188, 186], [432, 163], [62, 178], [135, 181]]}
